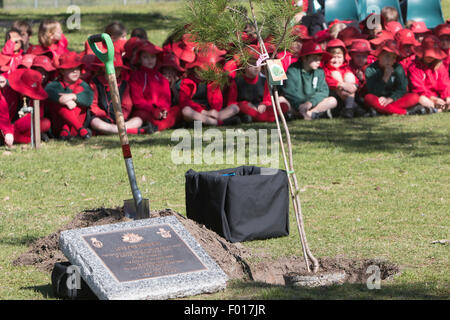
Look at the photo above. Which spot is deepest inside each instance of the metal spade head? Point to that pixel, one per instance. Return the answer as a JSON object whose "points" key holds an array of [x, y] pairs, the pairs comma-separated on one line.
{"points": [[142, 212]]}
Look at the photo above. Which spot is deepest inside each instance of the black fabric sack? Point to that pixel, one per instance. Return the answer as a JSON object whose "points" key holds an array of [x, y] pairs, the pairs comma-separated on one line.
{"points": [[240, 204], [59, 285]]}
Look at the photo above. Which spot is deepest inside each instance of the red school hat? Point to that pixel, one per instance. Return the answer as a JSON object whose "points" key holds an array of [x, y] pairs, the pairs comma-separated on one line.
{"points": [[349, 34], [208, 55], [27, 60], [185, 48], [393, 27], [146, 46], [310, 48], [442, 30], [387, 45], [419, 27], [405, 37], [69, 60], [382, 37], [322, 36], [28, 82], [431, 47], [169, 59], [131, 45], [43, 62], [360, 45]]}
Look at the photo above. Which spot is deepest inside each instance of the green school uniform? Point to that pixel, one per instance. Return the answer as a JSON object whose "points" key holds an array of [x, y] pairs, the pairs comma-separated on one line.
{"points": [[395, 88], [83, 91], [302, 86]]}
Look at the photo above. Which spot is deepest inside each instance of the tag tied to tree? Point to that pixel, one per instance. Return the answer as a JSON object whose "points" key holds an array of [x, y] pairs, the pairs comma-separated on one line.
{"points": [[276, 71]]}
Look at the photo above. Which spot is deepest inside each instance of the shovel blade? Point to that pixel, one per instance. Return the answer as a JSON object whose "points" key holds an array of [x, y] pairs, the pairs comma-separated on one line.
{"points": [[130, 210]]}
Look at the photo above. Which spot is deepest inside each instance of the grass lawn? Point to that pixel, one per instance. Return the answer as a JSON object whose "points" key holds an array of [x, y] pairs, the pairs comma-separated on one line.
{"points": [[371, 188]]}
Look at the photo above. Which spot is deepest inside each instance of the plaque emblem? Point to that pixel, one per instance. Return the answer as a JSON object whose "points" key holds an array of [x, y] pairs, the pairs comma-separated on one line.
{"points": [[131, 238], [96, 243], [164, 233]]}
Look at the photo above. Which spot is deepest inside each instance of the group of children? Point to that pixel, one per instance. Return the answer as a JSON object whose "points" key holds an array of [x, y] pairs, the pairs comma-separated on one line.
{"points": [[347, 70]]}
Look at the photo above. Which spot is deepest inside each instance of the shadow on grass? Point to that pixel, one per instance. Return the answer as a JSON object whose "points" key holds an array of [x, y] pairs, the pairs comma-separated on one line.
{"points": [[97, 20], [45, 290], [18, 241], [372, 135], [353, 136], [260, 290]]}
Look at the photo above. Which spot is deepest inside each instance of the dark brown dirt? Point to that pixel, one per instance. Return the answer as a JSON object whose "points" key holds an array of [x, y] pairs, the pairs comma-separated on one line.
{"points": [[235, 259]]}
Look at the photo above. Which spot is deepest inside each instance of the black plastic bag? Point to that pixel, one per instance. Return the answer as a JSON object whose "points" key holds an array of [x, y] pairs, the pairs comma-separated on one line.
{"points": [[240, 204]]}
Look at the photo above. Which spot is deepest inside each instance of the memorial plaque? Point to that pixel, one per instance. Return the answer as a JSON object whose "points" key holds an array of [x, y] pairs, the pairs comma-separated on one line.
{"points": [[143, 259], [143, 253]]}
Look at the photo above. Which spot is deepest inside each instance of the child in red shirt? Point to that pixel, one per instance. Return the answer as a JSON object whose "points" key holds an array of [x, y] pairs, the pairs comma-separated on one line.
{"points": [[359, 52], [250, 93], [201, 100], [103, 116], [13, 48], [170, 68], [150, 91], [24, 85], [52, 40], [443, 33], [428, 76], [69, 99], [406, 41], [340, 79]]}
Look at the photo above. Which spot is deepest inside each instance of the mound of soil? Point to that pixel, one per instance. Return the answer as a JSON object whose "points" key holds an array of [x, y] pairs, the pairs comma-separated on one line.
{"points": [[235, 259]]}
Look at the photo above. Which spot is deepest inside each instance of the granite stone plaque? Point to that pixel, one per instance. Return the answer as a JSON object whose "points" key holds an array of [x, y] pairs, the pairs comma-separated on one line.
{"points": [[143, 259]]}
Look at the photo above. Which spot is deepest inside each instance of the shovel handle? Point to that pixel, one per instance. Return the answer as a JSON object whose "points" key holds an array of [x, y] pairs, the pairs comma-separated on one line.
{"points": [[106, 57]]}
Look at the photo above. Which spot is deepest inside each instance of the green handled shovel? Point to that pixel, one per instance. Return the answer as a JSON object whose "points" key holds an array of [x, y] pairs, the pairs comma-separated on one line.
{"points": [[136, 208]]}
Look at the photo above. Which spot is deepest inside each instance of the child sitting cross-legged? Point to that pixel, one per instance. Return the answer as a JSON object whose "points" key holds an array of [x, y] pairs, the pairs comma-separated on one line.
{"points": [[202, 100], [103, 116], [340, 79], [250, 92], [387, 82], [429, 77], [306, 88], [69, 99]]}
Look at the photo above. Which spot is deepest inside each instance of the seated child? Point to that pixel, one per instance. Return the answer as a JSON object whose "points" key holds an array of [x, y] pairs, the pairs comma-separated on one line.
{"points": [[387, 82], [340, 79], [25, 32], [170, 67], [306, 88], [443, 33], [406, 41], [150, 91], [24, 86], [69, 99], [201, 100], [250, 93], [102, 110], [428, 76], [13, 48], [52, 41], [359, 53]]}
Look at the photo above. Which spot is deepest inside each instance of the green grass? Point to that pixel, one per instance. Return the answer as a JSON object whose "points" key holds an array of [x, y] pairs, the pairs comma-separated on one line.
{"points": [[371, 188]]}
